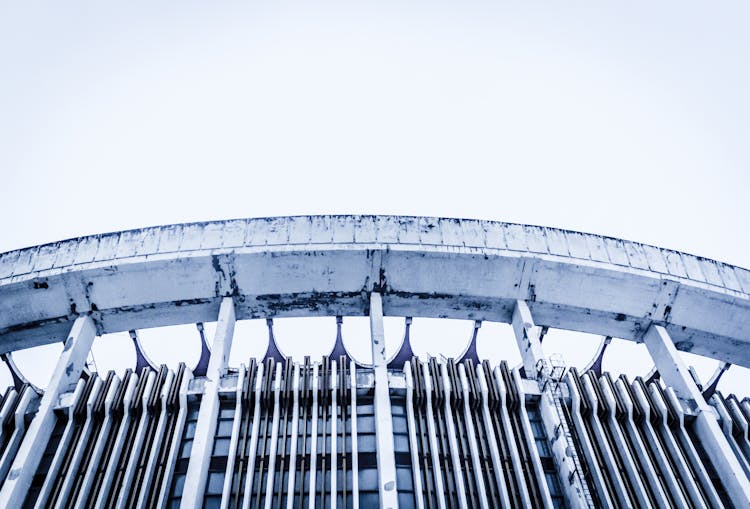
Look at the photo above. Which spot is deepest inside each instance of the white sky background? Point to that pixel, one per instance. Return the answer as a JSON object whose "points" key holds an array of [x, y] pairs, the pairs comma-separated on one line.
{"points": [[628, 121]]}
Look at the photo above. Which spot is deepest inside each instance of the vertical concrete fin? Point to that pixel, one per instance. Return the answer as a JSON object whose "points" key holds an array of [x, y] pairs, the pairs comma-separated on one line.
{"points": [[676, 375], [67, 373], [205, 428], [386, 456]]}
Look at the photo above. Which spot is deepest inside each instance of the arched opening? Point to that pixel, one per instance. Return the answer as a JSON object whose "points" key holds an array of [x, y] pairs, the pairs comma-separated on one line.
{"points": [[577, 349], [355, 332], [496, 342], [627, 357], [305, 336], [38, 363], [172, 345], [114, 352], [440, 337]]}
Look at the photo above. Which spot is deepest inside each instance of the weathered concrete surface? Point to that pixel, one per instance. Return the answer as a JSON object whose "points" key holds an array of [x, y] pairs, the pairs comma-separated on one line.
{"points": [[327, 265]]}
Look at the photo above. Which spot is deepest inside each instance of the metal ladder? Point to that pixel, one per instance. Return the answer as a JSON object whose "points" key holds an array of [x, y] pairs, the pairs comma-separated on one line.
{"points": [[554, 382]]}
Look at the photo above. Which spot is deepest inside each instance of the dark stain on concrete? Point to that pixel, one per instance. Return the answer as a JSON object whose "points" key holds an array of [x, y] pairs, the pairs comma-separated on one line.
{"points": [[684, 346], [34, 324], [667, 313], [190, 302], [316, 301]]}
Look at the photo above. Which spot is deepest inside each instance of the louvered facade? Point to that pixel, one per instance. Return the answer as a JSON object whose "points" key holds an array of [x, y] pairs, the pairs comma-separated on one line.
{"points": [[400, 432]]}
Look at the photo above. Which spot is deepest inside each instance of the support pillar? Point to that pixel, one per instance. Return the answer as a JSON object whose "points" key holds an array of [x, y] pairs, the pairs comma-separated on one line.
{"points": [[205, 427], [64, 378], [675, 374], [528, 337], [383, 424]]}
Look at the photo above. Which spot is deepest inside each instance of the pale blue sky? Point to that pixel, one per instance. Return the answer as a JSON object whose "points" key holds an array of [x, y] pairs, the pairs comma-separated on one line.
{"points": [[627, 120]]}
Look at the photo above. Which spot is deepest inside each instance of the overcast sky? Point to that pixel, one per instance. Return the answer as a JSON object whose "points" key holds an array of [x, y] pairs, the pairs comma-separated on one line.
{"points": [[629, 121]]}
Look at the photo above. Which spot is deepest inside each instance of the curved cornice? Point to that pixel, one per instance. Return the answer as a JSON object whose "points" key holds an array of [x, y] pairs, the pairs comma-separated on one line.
{"points": [[325, 265]]}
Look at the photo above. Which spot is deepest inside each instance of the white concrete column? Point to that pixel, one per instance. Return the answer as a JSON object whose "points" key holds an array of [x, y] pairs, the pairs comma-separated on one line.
{"points": [[353, 420], [528, 337], [675, 374], [312, 488], [383, 420], [205, 428], [417, 476], [64, 378], [292, 469]]}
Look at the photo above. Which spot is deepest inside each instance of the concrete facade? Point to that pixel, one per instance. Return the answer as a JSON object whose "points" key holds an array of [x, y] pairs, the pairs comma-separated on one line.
{"points": [[410, 433]]}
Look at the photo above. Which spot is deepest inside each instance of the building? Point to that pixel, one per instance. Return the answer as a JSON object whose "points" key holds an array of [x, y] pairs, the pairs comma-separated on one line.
{"points": [[403, 432]]}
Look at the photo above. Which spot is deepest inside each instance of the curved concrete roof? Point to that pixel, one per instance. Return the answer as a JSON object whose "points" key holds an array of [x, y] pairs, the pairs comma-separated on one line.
{"points": [[326, 265]]}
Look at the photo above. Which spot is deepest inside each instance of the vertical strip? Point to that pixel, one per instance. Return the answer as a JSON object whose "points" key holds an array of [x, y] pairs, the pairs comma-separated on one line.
{"points": [[386, 456], [253, 439], [111, 468], [274, 438], [153, 453], [334, 436], [592, 452], [62, 447], [174, 445], [432, 434], [475, 458], [511, 442], [68, 369], [355, 448], [497, 465], [205, 429], [134, 451], [451, 432], [312, 492], [293, 449], [81, 446], [619, 482], [688, 477], [14, 441], [226, 493], [528, 437], [417, 475], [96, 455], [675, 374]]}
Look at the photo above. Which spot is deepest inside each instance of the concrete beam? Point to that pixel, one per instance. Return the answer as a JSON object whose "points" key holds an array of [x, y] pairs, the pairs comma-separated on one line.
{"points": [[69, 366], [528, 336], [675, 374], [386, 456], [326, 265], [205, 428]]}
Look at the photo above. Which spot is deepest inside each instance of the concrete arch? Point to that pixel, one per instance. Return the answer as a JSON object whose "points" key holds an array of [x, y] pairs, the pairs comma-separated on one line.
{"points": [[326, 265]]}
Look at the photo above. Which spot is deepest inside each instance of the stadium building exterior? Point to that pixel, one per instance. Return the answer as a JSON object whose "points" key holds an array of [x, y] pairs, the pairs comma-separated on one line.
{"points": [[402, 432]]}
